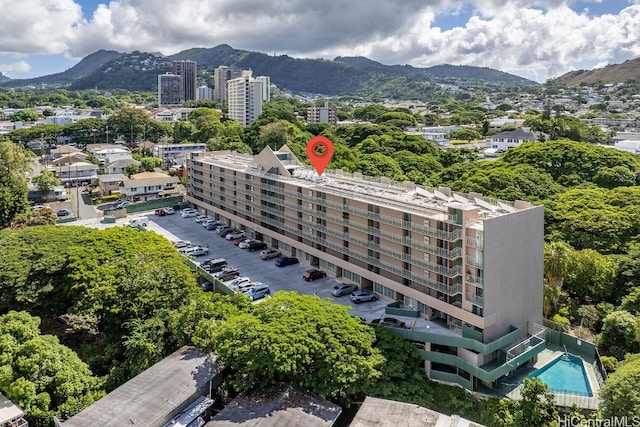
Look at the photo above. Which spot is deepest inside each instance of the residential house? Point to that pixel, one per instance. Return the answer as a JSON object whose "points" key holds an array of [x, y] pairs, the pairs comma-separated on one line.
{"points": [[509, 139], [149, 186], [62, 150], [103, 154], [79, 173], [111, 183], [119, 165]]}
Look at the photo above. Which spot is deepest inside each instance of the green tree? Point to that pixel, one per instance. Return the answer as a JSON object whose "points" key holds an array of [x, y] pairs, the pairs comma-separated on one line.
{"points": [[45, 182], [591, 274], [41, 375], [182, 131], [86, 131], [536, 408], [621, 391], [301, 340], [618, 335], [129, 123], [14, 163], [24, 116], [132, 169]]}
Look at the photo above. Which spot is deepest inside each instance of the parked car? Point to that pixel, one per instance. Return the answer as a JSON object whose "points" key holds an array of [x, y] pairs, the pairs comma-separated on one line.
{"points": [[208, 222], [245, 286], [245, 243], [362, 296], [234, 235], [239, 240], [63, 212], [202, 218], [227, 273], [389, 321], [121, 203], [169, 211], [212, 225], [221, 227], [136, 222], [194, 251], [313, 274], [181, 244], [226, 231], [207, 286], [258, 292], [213, 265], [343, 289], [270, 253], [160, 212], [256, 245], [188, 213], [286, 260], [239, 281]]}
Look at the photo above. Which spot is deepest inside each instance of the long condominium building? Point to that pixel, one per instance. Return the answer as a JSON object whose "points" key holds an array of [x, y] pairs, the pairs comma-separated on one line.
{"points": [[467, 268]]}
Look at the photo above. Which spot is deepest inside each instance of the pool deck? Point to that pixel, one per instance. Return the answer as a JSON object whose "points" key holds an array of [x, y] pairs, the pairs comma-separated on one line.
{"points": [[584, 402]]}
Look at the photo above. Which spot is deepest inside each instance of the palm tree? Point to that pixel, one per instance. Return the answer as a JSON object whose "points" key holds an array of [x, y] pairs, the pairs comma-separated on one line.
{"points": [[556, 262], [556, 266]]}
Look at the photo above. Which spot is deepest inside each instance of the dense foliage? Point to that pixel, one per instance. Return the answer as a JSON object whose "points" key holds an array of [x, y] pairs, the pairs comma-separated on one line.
{"points": [[300, 340], [14, 164], [122, 290], [39, 374]]}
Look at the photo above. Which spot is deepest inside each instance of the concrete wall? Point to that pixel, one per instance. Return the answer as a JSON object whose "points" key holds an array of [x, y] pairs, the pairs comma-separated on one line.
{"points": [[513, 268]]}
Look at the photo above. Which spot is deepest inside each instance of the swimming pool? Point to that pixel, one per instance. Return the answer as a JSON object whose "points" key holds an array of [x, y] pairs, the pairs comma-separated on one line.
{"points": [[566, 375]]}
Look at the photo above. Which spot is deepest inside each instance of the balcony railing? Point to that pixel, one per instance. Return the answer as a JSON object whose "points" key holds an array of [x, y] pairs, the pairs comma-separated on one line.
{"points": [[474, 299]]}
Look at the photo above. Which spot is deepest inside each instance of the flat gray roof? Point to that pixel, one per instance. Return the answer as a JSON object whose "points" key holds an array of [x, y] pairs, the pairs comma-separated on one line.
{"points": [[389, 413], [156, 395], [277, 406]]}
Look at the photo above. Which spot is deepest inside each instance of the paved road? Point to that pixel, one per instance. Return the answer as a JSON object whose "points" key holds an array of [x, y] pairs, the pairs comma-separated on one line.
{"points": [[82, 206]]}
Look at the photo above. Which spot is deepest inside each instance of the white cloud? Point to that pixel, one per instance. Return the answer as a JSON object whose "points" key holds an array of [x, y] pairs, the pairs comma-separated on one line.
{"points": [[533, 38], [37, 26], [19, 67]]}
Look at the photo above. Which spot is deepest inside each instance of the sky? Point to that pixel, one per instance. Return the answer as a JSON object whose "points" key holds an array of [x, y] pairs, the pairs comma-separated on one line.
{"points": [[538, 39]]}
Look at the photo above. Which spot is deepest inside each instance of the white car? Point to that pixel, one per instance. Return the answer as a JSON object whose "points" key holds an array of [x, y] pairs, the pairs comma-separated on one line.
{"points": [[234, 235], [188, 213], [194, 251], [245, 243], [239, 282], [169, 211]]}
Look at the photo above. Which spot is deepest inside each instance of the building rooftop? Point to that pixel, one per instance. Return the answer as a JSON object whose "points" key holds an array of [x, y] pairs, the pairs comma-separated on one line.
{"points": [[382, 191], [154, 396], [277, 406], [388, 413]]}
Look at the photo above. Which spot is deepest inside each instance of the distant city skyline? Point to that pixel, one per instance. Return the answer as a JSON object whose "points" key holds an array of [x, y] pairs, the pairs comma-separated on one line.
{"points": [[538, 39]]}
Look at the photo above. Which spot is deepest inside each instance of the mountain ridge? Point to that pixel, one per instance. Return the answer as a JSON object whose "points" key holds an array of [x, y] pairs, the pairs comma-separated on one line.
{"points": [[357, 76], [612, 73]]}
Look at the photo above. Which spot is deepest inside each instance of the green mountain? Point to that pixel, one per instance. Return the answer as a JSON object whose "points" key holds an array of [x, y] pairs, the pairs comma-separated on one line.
{"points": [[138, 71], [85, 67], [614, 73]]}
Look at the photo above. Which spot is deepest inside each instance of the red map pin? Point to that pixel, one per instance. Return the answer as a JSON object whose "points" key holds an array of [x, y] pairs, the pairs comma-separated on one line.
{"points": [[320, 151]]}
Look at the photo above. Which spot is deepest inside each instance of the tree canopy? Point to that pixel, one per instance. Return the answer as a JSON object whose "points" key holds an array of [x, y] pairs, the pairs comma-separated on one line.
{"points": [[14, 164], [300, 340], [39, 374]]}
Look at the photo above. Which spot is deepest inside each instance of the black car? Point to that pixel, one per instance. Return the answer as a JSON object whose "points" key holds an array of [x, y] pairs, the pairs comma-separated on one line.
{"points": [[256, 246], [63, 212], [313, 274], [225, 231]]}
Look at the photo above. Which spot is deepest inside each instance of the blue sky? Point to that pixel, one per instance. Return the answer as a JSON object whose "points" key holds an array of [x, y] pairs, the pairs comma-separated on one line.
{"points": [[537, 39]]}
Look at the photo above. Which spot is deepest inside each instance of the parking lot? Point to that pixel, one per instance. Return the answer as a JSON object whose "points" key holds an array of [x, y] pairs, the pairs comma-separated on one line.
{"points": [[175, 228]]}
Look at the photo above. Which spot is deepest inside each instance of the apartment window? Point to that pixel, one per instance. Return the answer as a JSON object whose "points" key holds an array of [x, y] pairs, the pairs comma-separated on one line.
{"points": [[345, 215], [410, 303], [351, 276]]}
